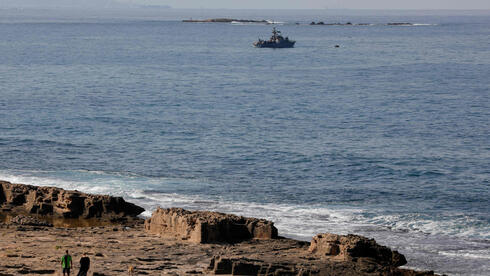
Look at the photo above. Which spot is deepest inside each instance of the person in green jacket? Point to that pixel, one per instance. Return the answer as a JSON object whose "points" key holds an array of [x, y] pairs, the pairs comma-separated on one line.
{"points": [[66, 264]]}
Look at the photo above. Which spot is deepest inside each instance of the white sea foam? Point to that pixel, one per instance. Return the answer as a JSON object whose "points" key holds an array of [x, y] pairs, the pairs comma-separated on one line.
{"points": [[299, 221], [30, 179], [296, 220], [258, 23], [248, 23], [423, 24], [451, 224], [69, 182], [472, 254], [275, 22]]}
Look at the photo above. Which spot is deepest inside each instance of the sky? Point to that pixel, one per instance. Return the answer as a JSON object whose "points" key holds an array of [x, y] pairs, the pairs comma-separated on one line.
{"points": [[262, 4], [329, 4]]}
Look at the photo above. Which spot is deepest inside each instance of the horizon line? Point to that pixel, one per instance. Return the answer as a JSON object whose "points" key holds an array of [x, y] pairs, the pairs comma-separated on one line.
{"points": [[253, 9]]}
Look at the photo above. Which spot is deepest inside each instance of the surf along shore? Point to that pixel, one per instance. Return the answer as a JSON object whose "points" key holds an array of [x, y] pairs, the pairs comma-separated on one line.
{"points": [[37, 225]]}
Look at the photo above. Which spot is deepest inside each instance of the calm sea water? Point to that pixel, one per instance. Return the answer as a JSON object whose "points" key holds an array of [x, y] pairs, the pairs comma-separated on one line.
{"points": [[386, 136]]}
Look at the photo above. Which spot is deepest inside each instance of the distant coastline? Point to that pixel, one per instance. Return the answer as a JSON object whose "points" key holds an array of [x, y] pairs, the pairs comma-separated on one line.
{"points": [[263, 21]]}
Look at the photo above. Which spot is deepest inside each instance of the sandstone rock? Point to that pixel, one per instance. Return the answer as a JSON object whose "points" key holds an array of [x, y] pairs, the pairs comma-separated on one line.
{"points": [[26, 220], [208, 227], [245, 266], [56, 202], [407, 272], [347, 247], [152, 255]]}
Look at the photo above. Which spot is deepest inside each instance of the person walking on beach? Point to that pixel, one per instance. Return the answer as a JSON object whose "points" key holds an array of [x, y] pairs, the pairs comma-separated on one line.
{"points": [[84, 265], [66, 264]]}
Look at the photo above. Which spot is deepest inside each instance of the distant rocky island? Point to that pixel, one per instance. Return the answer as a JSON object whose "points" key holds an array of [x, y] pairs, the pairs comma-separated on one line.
{"points": [[223, 20], [173, 241], [337, 24], [319, 23]]}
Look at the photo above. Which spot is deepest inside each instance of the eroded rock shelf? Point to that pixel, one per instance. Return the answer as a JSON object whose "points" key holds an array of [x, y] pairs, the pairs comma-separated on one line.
{"points": [[172, 242]]}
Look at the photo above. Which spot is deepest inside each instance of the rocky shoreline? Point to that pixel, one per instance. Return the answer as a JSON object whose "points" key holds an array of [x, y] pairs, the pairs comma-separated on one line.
{"points": [[172, 242]]}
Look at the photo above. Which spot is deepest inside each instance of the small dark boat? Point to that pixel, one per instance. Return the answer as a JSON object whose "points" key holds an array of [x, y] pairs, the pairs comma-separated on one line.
{"points": [[276, 41]]}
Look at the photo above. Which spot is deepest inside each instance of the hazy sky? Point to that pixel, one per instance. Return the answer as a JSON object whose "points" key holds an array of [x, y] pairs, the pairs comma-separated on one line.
{"points": [[321, 4], [265, 4]]}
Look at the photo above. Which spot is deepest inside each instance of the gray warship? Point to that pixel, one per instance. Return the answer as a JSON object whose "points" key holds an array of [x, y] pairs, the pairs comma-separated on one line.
{"points": [[276, 41]]}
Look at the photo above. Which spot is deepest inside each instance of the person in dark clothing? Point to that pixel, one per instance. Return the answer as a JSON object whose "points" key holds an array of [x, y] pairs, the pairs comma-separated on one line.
{"points": [[84, 265]]}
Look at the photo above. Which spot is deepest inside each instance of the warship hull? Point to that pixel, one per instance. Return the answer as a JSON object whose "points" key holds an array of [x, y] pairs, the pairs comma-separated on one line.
{"points": [[276, 41], [266, 44]]}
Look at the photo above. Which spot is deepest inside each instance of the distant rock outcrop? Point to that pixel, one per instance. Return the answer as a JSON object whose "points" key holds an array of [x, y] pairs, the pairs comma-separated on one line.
{"points": [[352, 246], [208, 227], [59, 203], [223, 20]]}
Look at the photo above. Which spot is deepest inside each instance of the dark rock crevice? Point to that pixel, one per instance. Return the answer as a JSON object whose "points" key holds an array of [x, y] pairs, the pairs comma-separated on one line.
{"points": [[2, 195]]}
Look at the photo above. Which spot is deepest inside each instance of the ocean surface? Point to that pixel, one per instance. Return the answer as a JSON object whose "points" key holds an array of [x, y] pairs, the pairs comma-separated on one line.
{"points": [[387, 136]]}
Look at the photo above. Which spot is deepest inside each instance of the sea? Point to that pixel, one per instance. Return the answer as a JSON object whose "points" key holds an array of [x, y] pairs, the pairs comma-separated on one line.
{"points": [[386, 136]]}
